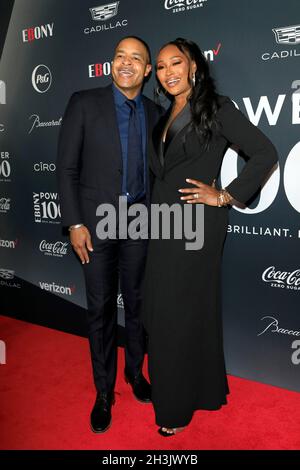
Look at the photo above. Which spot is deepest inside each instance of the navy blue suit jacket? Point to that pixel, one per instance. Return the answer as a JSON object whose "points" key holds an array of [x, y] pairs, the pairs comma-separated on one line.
{"points": [[89, 163]]}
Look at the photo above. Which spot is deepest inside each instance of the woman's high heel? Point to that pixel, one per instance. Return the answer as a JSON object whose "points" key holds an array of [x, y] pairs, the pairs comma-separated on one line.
{"points": [[174, 431]]}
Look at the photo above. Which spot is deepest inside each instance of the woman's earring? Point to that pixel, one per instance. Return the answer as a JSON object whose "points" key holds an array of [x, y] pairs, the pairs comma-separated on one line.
{"points": [[194, 79]]}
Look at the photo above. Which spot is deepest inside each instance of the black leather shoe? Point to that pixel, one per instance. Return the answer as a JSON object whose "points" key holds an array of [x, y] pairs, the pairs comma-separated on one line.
{"points": [[101, 413], [140, 387]]}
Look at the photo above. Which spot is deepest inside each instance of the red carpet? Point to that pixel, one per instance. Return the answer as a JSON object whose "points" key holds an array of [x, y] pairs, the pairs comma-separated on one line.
{"points": [[46, 395]]}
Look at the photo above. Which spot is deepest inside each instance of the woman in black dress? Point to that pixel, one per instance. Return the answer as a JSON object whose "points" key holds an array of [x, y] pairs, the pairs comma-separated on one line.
{"points": [[182, 298]]}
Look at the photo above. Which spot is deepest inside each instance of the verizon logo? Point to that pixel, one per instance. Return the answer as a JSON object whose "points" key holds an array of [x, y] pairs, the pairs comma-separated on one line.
{"points": [[57, 289]]}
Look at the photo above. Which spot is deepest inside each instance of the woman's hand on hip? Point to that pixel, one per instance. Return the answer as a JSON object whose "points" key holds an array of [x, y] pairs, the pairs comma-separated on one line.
{"points": [[201, 194]]}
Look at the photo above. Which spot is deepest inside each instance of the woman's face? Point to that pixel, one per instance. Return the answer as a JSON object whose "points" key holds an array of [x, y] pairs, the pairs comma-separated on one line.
{"points": [[174, 70]]}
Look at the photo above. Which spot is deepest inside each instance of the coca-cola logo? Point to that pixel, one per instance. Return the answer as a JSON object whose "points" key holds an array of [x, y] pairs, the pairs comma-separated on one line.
{"points": [[188, 4], [4, 204], [120, 302], [57, 248], [282, 279]]}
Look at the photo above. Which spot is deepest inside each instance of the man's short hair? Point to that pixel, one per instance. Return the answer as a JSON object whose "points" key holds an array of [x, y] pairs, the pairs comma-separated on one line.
{"points": [[141, 41]]}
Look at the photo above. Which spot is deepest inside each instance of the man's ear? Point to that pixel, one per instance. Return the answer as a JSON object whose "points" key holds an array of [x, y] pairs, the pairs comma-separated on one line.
{"points": [[147, 70]]}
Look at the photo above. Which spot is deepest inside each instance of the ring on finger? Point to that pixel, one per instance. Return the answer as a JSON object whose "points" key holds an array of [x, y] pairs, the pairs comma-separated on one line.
{"points": [[196, 195]]}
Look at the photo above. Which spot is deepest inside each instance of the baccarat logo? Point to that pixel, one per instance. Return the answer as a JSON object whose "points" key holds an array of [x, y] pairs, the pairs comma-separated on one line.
{"points": [[36, 123]]}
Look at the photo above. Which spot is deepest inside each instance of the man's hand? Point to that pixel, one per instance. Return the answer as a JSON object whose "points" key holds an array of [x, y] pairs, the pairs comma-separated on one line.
{"points": [[80, 239]]}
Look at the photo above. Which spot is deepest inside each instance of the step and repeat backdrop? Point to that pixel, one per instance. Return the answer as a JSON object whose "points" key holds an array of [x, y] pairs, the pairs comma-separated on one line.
{"points": [[53, 48]]}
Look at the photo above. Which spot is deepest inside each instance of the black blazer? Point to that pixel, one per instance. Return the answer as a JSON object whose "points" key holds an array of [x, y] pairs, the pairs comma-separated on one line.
{"points": [[187, 149], [89, 163]]}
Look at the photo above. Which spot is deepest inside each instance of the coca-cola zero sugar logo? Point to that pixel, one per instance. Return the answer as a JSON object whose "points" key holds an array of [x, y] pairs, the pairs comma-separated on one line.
{"points": [[282, 279], [177, 6], [4, 205], [58, 248], [41, 78], [120, 301]]}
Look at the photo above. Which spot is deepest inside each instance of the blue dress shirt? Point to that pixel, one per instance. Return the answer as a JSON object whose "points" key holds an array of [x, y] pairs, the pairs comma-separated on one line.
{"points": [[123, 112]]}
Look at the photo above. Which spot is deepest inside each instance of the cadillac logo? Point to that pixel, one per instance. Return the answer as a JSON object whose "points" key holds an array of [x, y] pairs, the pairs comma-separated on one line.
{"points": [[6, 273], [287, 35], [104, 12]]}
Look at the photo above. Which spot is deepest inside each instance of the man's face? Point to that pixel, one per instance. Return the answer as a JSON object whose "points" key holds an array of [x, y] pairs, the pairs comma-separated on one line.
{"points": [[130, 66]]}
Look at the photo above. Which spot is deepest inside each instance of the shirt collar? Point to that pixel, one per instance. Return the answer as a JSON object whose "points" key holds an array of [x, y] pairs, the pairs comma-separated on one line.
{"points": [[120, 98]]}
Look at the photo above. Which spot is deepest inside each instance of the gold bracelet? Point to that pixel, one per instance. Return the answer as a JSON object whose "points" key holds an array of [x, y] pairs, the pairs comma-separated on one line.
{"points": [[223, 198]]}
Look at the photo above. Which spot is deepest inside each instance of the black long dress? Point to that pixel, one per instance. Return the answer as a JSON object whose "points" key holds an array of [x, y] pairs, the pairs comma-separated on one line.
{"points": [[182, 289]]}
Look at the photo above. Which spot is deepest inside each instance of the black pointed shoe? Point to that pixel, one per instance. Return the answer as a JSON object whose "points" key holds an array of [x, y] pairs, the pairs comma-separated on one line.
{"points": [[101, 413], [140, 387]]}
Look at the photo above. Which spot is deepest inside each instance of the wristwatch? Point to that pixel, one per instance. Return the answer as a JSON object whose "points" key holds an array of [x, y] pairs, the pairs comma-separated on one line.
{"points": [[72, 227]]}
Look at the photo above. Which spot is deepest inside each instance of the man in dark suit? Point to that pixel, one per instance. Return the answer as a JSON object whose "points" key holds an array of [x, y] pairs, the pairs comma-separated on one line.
{"points": [[102, 154]]}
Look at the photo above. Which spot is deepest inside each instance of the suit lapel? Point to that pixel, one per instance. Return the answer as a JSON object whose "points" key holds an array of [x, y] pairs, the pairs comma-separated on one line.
{"points": [[177, 127], [107, 109], [152, 141], [158, 150]]}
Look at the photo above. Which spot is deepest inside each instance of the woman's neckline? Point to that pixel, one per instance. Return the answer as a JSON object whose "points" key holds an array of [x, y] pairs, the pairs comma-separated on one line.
{"points": [[166, 130]]}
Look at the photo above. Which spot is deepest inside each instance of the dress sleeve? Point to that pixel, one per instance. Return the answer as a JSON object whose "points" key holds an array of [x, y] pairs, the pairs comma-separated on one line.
{"points": [[237, 129]]}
